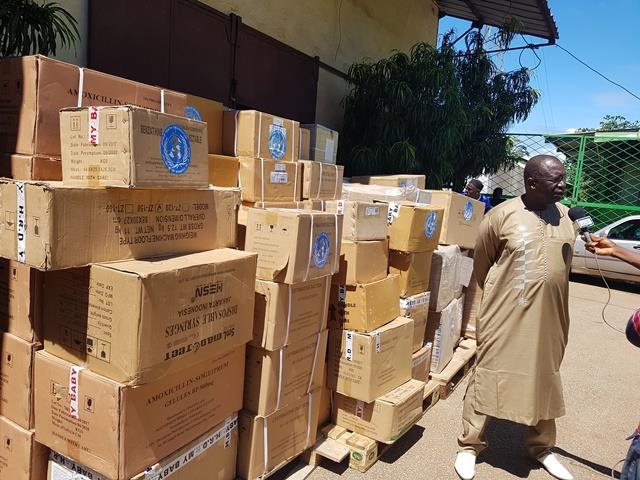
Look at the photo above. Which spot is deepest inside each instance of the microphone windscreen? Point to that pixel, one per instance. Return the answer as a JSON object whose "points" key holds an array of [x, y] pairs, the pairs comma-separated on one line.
{"points": [[577, 212]]}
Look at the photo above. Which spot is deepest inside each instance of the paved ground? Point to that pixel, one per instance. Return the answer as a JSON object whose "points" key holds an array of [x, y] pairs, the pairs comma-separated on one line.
{"points": [[600, 373]]}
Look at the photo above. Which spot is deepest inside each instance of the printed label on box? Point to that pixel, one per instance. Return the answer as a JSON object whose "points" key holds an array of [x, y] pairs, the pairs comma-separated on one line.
{"points": [[372, 211], [279, 177], [394, 212]]}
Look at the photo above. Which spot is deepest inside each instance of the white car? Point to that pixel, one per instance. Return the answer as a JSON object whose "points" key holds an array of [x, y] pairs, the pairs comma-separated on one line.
{"points": [[626, 233]]}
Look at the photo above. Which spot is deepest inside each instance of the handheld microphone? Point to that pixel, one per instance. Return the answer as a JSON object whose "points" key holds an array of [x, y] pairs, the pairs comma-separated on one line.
{"points": [[579, 216]]}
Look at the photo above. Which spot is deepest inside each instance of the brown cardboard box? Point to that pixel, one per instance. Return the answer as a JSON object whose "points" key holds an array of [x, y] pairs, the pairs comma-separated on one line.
{"points": [[223, 171], [363, 451], [361, 220], [366, 366], [286, 313], [21, 457], [294, 245], [38, 87], [443, 331], [415, 181], [21, 300], [62, 227], [213, 455], [30, 167], [132, 147], [321, 181], [139, 320], [16, 374], [362, 262], [444, 283], [119, 430], [387, 418], [417, 308], [324, 417], [379, 193], [297, 205], [264, 180], [414, 270], [414, 227], [249, 133], [210, 112], [364, 307], [305, 144], [462, 218], [421, 363], [324, 143], [472, 297], [276, 378]]}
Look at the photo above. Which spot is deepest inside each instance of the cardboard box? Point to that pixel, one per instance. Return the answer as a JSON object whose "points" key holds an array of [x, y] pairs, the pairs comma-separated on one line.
{"points": [[414, 227], [363, 451], [444, 283], [264, 180], [223, 171], [249, 133], [21, 300], [321, 181], [21, 457], [421, 363], [210, 112], [387, 418], [120, 430], [414, 270], [286, 313], [305, 144], [379, 193], [361, 220], [280, 436], [416, 181], [443, 331], [324, 143], [277, 378], [362, 262], [294, 245], [39, 87], [472, 298], [30, 167], [416, 307], [364, 307], [296, 205], [213, 455], [59, 227], [324, 417], [462, 218], [366, 366], [16, 374], [138, 320], [132, 147]]}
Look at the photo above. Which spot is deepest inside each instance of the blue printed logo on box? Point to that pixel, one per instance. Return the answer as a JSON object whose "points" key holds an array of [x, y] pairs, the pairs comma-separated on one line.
{"points": [[321, 247], [277, 142], [468, 211], [430, 224], [192, 112], [175, 149]]}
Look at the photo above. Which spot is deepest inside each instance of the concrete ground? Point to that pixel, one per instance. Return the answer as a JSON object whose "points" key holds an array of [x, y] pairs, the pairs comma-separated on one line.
{"points": [[601, 375]]}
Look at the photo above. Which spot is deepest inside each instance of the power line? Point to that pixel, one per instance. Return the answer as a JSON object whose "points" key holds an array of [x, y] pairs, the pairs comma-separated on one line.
{"points": [[596, 71]]}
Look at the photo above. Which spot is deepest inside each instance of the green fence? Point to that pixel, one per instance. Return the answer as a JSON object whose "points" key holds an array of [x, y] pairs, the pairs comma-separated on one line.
{"points": [[603, 171]]}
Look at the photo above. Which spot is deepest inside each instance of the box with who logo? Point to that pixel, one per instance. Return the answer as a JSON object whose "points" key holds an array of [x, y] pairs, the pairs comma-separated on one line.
{"points": [[462, 218], [414, 227]]}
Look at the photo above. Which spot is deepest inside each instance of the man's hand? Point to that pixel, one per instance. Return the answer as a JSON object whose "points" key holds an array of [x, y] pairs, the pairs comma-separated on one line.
{"points": [[601, 246]]}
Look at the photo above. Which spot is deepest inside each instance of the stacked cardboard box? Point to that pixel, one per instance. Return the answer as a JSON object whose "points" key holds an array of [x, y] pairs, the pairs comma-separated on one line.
{"points": [[321, 144]]}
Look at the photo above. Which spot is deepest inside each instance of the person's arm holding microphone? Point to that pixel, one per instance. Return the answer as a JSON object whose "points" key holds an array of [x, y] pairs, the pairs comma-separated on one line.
{"points": [[607, 248]]}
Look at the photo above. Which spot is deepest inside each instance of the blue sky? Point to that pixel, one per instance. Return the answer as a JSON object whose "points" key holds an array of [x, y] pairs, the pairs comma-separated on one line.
{"points": [[603, 33]]}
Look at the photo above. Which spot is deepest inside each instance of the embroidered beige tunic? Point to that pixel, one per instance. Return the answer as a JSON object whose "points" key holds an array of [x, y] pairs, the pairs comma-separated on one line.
{"points": [[522, 262]]}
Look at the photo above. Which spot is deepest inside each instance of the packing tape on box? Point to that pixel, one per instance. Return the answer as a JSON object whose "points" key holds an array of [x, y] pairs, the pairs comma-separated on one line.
{"points": [[335, 183], [315, 359], [348, 353], [74, 390], [21, 222], [162, 100], [293, 142], [289, 308], [80, 86], [280, 374], [235, 138], [310, 409]]}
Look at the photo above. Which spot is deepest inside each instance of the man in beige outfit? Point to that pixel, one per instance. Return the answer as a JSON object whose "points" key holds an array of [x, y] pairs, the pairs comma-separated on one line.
{"points": [[522, 260]]}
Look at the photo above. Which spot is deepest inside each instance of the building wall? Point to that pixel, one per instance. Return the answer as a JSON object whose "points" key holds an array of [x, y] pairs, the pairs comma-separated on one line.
{"points": [[80, 11]]}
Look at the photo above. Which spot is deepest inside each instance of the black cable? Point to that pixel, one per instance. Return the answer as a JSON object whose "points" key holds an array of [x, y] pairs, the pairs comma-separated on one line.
{"points": [[596, 71], [339, 30]]}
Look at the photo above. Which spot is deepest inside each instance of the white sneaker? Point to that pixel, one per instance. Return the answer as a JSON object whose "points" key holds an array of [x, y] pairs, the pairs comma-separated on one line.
{"points": [[465, 465], [551, 463]]}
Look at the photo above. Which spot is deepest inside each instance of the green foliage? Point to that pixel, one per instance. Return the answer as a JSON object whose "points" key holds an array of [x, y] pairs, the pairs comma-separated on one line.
{"points": [[613, 122], [28, 27], [434, 111]]}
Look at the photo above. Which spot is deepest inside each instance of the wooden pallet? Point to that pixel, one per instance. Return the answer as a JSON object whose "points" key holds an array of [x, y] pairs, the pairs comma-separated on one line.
{"points": [[431, 395], [463, 361]]}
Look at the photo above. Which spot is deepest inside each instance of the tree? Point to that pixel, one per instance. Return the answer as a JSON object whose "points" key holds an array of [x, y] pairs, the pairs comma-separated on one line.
{"points": [[439, 112], [613, 122]]}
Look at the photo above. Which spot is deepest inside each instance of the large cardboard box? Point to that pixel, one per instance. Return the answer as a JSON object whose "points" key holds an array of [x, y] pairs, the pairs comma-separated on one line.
{"points": [[324, 143], [387, 418], [364, 307], [361, 220], [416, 307], [321, 181], [443, 331], [286, 313], [264, 180], [462, 218], [305, 144], [16, 374], [210, 112], [212, 456], [366, 366], [138, 320], [50, 226], [444, 282], [249, 133], [276, 378], [267, 443], [37, 88], [421, 363], [414, 270], [362, 262], [414, 227], [295, 205], [132, 147], [404, 180], [119, 430], [21, 457], [379, 193], [223, 171], [294, 245], [30, 167], [21, 300]]}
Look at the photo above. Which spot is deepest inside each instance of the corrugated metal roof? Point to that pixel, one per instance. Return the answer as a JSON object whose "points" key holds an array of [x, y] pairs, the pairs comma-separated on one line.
{"points": [[535, 15]]}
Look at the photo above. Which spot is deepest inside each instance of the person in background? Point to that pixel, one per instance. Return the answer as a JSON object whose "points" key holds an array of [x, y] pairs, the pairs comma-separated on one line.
{"points": [[496, 197], [474, 190]]}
